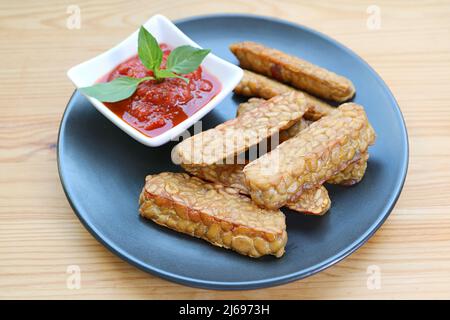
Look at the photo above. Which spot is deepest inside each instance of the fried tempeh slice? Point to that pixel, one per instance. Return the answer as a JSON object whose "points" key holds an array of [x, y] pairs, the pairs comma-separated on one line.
{"points": [[237, 135], [250, 104], [293, 70], [229, 175], [353, 173], [349, 176], [314, 201], [294, 129], [214, 213], [259, 86], [284, 134], [310, 158]]}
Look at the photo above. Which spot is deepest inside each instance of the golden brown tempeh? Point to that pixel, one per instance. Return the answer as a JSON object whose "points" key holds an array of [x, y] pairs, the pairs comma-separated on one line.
{"points": [[294, 129], [284, 134], [349, 176], [214, 213], [237, 135], [314, 201], [310, 158], [250, 104], [353, 173], [229, 175], [293, 70], [259, 86]]}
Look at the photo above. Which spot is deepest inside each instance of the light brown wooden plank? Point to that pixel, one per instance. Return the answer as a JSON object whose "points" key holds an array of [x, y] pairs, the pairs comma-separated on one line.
{"points": [[40, 236]]}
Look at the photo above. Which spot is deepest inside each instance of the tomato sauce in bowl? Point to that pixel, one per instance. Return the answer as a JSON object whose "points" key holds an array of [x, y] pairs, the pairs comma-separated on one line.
{"points": [[158, 106]]}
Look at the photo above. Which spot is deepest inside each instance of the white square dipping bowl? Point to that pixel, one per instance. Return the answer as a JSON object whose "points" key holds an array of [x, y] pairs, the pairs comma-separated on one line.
{"points": [[89, 72]]}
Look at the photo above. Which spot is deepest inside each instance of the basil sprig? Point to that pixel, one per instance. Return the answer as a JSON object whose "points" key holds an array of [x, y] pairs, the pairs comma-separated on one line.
{"points": [[181, 60], [113, 91], [148, 50], [185, 59]]}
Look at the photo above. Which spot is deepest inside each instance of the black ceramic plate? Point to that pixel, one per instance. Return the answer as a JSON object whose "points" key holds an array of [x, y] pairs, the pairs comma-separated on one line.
{"points": [[102, 171]]}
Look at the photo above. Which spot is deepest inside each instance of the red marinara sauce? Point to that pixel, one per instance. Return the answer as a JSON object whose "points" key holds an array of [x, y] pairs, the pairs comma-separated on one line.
{"points": [[156, 107]]}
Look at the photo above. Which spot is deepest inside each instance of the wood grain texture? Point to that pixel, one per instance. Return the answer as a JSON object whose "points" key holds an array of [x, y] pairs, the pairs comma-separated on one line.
{"points": [[40, 236]]}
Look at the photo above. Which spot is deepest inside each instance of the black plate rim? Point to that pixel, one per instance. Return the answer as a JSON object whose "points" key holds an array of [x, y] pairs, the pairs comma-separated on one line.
{"points": [[245, 285]]}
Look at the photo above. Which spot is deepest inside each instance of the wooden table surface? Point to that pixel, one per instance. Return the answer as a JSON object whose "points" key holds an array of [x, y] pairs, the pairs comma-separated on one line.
{"points": [[40, 237]]}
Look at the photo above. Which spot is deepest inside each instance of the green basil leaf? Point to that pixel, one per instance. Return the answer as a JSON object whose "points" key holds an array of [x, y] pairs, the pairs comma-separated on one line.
{"points": [[148, 49], [113, 91], [186, 59], [164, 73]]}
